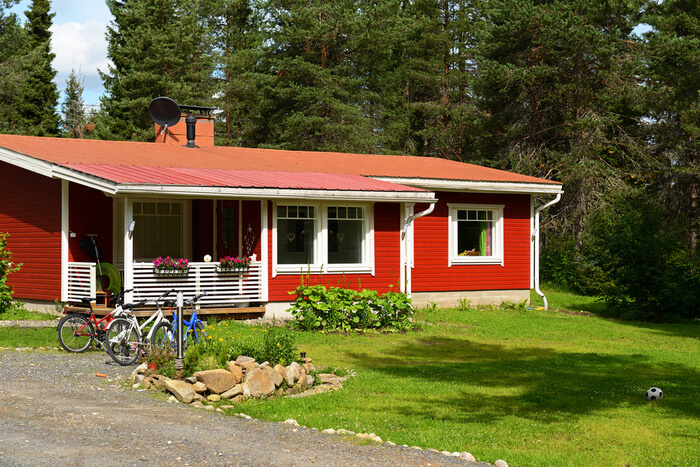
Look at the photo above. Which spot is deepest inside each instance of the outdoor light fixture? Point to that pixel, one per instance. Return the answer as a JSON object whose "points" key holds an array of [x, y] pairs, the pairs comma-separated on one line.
{"points": [[131, 229]]}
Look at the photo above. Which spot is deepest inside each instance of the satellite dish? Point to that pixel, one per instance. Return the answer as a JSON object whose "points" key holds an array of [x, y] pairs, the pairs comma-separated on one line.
{"points": [[164, 111]]}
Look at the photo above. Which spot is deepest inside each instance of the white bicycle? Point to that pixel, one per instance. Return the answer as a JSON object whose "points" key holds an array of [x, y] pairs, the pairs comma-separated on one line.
{"points": [[126, 339]]}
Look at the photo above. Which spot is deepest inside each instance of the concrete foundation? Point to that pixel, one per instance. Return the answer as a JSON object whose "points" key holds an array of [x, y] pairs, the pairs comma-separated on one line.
{"points": [[475, 297]]}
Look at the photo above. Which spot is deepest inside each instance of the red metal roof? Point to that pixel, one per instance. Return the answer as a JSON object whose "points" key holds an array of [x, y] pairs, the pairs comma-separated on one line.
{"points": [[122, 154], [236, 178]]}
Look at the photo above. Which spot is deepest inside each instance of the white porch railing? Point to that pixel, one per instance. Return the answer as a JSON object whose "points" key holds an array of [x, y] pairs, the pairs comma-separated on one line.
{"points": [[223, 290], [81, 281]]}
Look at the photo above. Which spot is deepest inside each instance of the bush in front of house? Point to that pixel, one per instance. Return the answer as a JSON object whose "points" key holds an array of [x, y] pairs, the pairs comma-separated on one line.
{"points": [[5, 269], [227, 341], [340, 309]]}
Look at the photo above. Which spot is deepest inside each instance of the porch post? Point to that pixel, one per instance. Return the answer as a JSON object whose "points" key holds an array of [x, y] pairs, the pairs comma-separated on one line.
{"points": [[64, 239], [128, 248], [263, 249]]}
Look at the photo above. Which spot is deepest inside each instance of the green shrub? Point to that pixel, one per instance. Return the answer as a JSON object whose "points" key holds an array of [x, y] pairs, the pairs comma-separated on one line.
{"points": [[5, 269], [227, 341], [339, 309]]}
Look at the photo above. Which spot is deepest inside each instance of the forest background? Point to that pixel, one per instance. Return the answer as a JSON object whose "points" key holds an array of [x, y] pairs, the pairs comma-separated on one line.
{"points": [[563, 90]]}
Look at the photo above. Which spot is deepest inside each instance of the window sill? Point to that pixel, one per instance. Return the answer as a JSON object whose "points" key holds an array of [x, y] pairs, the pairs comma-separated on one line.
{"points": [[288, 269], [465, 260]]}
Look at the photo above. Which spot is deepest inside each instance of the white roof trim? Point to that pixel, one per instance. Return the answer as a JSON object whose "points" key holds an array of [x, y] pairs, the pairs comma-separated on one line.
{"points": [[274, 193], [26, 162], [477, 186]]}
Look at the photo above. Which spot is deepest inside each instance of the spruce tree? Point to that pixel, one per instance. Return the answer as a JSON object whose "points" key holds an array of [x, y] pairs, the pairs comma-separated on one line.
{"points": [[673, 82], [157, 48], [74, 115], [37, 98], [14, 60], [558, 84]]}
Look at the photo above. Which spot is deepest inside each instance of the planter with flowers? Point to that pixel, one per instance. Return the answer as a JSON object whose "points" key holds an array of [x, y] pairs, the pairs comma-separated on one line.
{"points": [[171, 266], [231, 265]]}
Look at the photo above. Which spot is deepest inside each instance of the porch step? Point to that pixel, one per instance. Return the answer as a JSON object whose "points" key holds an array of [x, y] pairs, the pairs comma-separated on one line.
{"points": [[144, 312]]}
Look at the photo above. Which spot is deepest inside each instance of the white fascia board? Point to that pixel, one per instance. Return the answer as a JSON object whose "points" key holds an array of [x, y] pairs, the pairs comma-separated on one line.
{"points": [[81, 178], [26, 162], [476, 186], [274, 193]]}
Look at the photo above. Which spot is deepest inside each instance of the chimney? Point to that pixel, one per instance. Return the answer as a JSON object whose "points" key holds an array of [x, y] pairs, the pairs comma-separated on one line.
{"points": [[195, 124]]}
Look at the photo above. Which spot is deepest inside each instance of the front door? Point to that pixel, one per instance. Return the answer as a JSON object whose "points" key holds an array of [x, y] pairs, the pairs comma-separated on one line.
{"points": [[228, 212]]}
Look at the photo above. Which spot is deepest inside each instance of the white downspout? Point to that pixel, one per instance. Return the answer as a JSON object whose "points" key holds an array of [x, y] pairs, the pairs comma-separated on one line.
{"points": [[407, 265], [537, 247]]}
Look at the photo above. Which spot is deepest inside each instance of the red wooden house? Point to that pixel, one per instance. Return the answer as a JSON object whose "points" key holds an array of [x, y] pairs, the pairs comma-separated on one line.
{"points": [[440, 230]]}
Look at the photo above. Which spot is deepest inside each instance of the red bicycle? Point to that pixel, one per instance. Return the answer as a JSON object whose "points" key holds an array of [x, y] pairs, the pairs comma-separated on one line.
{"points": [[76, 331]]}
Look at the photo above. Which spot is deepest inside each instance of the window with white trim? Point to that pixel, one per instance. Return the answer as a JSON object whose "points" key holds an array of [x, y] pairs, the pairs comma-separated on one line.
{"points": [[335, 238], [475, 234], [159, 229]]}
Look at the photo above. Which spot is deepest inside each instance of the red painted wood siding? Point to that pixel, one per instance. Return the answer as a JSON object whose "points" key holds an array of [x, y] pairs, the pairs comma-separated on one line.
{"points": [[431, 272], [30, 210], [387, 247], [89, 212]]}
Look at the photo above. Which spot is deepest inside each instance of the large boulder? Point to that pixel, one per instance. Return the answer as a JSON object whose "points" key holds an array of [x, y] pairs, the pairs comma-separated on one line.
{"points": [[180, 389], [258, 383], [236, 370], [276, 377], [217, 381]]}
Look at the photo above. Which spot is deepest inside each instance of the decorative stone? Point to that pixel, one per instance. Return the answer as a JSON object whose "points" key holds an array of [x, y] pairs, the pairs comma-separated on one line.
{"points": [[282, 371], [301, 382], [237, 390], [213, 398], [310, 381], [242, 360], [329, 431], [197, 404], [236, 370], [191, 379], [258, 383], [248, 367], [217, 381], [198, 386], [467, 456], [500, 463], [180, 389], [309, 367], [276, 378], [330, 379]]}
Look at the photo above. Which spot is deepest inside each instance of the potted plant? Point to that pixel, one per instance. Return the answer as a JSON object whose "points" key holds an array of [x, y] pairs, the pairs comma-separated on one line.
{"points": [[157, 356], [230, 264], [170, 266]]}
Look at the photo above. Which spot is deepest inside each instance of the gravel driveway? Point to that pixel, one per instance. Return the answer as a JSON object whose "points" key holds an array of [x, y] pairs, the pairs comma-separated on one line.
{"points": [[54, 410]]}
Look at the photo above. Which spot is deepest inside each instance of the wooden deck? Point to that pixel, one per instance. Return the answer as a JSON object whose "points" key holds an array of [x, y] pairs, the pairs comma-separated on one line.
{"points": [[144, 312]]}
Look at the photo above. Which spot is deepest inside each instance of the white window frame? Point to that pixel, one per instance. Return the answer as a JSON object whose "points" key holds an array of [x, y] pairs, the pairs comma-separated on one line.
{"points": [[496, 256], [321, 242], [118, 227]]}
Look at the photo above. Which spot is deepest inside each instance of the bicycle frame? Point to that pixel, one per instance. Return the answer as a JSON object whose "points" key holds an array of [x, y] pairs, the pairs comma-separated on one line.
{"points": [[109, 317], [190, 326], [155, 318]]}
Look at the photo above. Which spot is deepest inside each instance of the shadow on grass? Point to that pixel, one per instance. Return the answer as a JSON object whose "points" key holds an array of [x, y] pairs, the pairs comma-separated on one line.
{"points": [[482, 382]]}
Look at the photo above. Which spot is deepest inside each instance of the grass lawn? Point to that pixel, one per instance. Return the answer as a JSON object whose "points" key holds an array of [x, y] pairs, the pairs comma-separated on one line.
{"points": [[531, 387]]}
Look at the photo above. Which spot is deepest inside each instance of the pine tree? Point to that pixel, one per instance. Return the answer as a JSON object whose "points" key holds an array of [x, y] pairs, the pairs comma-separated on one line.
{"points": [[316, 99], [157, 48], [673, 81], [234, 26], [558, 95], [74, 115], [37, 99], [14, 60]]}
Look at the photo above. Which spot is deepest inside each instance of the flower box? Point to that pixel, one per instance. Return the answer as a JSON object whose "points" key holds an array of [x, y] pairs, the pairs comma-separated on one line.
{"points": [[171, 272], [230, 270]]}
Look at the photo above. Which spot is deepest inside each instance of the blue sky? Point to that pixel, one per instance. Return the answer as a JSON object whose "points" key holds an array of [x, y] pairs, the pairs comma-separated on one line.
{"points": [[78, 40]]}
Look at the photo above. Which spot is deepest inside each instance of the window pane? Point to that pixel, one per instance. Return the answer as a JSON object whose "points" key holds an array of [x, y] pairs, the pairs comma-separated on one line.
{"points": [[163, 209], [295, 241], [474, 238], [291, 211], [148, 208], [281, 211], [345, 241]]}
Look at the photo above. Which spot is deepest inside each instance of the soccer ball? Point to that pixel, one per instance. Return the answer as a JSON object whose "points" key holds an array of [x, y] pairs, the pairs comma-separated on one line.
{"points": [[654, 394]]}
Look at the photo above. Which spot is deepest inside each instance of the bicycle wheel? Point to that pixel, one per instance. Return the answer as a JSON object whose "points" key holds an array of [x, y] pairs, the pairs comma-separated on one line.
{"points": [[75, 333], [163, 335], [123, 342]]}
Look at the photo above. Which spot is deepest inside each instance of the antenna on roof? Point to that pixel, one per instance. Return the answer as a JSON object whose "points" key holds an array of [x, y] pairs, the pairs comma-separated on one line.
{"points": [[443, 152], [164, 111], [453, 152]]}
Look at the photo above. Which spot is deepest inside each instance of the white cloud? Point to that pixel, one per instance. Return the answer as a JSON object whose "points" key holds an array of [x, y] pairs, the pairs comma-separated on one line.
{"points": [[80, 47]]}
